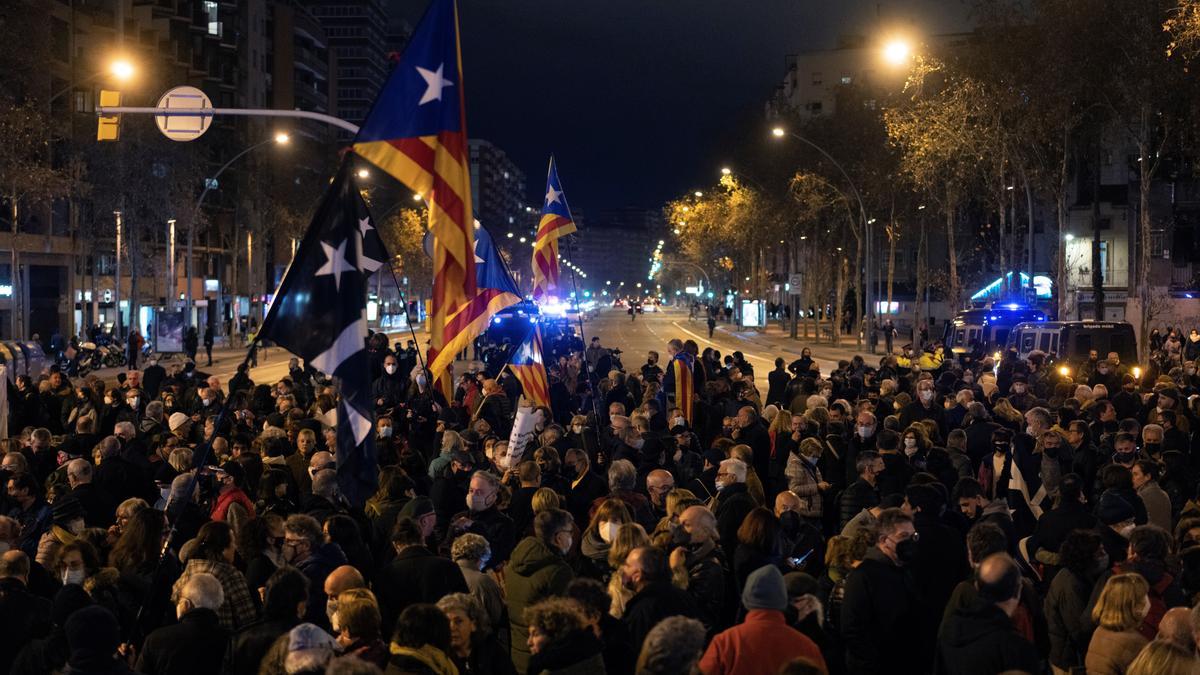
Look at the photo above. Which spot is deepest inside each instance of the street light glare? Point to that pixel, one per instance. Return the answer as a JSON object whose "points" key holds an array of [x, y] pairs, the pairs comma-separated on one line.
{"points": [[896, 52], [122, 69], [282, 138], [699, 193], [417, 198], [363, 173], [778, 132], [725, 171], [1069, 237]]}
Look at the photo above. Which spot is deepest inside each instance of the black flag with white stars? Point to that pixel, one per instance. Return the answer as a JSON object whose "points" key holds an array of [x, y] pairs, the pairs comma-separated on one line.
{"points": [[320, 314]]}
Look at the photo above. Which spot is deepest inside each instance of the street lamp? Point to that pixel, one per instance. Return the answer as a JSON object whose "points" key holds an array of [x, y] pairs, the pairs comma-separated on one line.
{"points": [[122, 70], [725, 171], [897, 51], [780, 132], [363, 173], [280, 138], [699, 193]]}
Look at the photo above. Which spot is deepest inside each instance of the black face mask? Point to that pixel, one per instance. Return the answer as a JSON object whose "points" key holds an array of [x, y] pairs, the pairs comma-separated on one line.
{"points": [[680, 537], [1000, 448], [1153, 448], [906, 551]]}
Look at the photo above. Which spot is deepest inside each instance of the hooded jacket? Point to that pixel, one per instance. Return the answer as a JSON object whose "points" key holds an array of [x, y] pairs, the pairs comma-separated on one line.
{"points": [[534, 572]]}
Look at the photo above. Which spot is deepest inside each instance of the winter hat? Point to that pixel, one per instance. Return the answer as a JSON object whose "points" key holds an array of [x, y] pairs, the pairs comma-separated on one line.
{"points": [[177, 420], [65, 509], [92, 638], [765, 589], [1112, 509], [417, 507], [799, 583], [309, 636]]}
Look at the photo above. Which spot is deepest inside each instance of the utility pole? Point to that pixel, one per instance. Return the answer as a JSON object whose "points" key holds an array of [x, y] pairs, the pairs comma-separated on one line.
{"points": [[117, 285]]}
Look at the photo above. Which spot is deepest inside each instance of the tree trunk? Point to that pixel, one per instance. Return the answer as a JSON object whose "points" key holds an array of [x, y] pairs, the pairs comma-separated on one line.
{"points": [[1097, 269], [1145, 173], [860, 295], [951, 205], [891, 263], [1061, 212], [922, 281]]}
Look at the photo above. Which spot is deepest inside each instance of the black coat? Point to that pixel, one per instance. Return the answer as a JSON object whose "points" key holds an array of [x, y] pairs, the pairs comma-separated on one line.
{"points": [[99, 508], [416, 575], [981, 639], [1054, 526], [979, 440], [759, 440], [880, 612], [248, 647], [733, 503], [580, 497], [858, 496], [196, 644], [654, 603], [23, 617]]}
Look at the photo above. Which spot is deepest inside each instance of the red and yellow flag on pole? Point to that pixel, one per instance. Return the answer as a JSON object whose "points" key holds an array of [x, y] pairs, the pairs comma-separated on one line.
{"points": [[556, 223]]}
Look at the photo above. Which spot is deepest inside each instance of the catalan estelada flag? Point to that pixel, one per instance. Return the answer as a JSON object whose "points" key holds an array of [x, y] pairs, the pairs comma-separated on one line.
{"points": [[417, 132], [679, 384], [528, 367], [556, 223]]}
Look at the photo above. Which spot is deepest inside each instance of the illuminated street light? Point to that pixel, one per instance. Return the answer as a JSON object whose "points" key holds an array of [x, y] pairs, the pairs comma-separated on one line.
{"points": [[1069, 237], [897, 52], [725, 171], [699, 193], [510, 235], [676, 230], [282, 138], [363, 173], [417, 197], [778, 132], [121, 69], [522, 240]]}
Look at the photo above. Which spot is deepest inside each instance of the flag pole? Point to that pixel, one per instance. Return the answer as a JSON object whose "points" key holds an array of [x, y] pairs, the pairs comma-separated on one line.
{"points": [[579, 317]]}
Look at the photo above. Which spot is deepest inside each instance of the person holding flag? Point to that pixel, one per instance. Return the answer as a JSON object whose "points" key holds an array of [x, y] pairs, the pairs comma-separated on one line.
{"points": [[679, 384], [555, 224]]}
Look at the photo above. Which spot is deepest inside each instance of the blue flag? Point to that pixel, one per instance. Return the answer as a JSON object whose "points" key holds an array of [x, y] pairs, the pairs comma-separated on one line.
{"points": [[320, 314]]}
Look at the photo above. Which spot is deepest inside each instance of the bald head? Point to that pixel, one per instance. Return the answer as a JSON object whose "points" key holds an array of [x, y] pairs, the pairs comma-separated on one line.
{"points": [[342, 579], [786, 501], [999, 581], [14, 565], [1176, 628], [658, 483]]}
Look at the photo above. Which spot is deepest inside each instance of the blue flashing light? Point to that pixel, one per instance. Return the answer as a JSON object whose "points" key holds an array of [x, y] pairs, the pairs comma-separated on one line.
{"points": [[1013, 306], [533, 319], [1041, 318], [496, 320]]}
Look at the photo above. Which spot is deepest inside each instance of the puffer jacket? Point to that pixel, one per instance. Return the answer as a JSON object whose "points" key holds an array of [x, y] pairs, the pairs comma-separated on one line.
{"points": [[802, 480]]}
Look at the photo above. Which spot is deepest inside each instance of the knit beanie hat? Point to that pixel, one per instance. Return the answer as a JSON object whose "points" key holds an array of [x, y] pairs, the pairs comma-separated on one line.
{"points": [[765, 590]]}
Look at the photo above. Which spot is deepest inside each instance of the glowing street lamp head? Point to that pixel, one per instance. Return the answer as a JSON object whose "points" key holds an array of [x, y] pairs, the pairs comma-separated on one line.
{"points": [[121, 69], [897, 52], [282, 138], [778, 132], [725, 171], [698, 193], [417, 197], [363, 173]]}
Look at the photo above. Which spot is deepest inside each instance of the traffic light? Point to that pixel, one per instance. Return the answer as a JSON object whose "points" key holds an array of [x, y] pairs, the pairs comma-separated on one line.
{"points": [[109, 127]]}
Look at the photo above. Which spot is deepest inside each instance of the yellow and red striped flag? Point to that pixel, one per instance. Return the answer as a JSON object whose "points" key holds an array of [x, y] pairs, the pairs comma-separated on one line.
{"points": [[556, 223]]}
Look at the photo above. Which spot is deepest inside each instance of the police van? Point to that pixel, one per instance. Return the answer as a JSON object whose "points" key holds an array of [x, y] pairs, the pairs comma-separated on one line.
{"points": [[1071, 341], [984, 330]]}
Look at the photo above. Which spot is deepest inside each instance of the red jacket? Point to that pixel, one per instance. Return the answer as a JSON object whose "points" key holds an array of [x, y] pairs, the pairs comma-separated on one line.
{"points": [[221, 507], [760, 645]]}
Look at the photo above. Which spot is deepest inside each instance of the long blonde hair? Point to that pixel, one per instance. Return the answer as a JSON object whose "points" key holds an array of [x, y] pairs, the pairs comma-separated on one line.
{"points": [[1161, 657], [629, 536], [782, 424], [1122, 603]]}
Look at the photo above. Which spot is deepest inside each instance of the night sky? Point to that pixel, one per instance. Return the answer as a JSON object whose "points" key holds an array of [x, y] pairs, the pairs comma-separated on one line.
{"points": [[643, 99]]}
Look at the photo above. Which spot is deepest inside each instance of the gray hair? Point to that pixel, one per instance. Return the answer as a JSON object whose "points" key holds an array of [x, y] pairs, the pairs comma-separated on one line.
{"points": [[736, 467], [470, 546], [203, 591], [124, 427], [622, 475], [672, 647], [181, 459], [179, 488], [108, 447], [154, 410], [466, 604], [325, 484], [81, 469]]}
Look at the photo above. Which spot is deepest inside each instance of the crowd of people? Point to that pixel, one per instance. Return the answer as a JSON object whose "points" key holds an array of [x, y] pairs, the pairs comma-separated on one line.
{"points": [[878, 518]]}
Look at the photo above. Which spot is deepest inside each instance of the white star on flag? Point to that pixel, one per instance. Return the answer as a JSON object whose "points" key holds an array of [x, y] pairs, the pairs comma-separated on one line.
{"points": [[434, 83], [552, 195], [335, 263], [364, 226]]}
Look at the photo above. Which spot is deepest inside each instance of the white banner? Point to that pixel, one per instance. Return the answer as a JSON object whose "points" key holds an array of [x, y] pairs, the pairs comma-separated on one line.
{"points": [[522, 433]]}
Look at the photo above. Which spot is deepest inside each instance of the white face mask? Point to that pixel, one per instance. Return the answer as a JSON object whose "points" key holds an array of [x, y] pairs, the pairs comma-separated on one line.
{"points": [[1018, 389], [608, 531], [421, 381], [477, 503], [133, 402], [206, 401], [390, 368], [866, 432], [720, 485], [1029, 430], [926, 395], [910, 442], [678, 422], [385, 432], [73, 577]]}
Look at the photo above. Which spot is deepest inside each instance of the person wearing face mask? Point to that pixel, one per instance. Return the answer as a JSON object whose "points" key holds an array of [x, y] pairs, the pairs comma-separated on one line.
{"points": [[598, 539], [732, 503], [538, 569], [941, 558], [484, 517], [389, 388], [586, 486], [198, 642], [696, 555], [804, 479], [450, 483], [1115, 524], [416, 575], [880, 609], [1148, 551], [924, 407]]}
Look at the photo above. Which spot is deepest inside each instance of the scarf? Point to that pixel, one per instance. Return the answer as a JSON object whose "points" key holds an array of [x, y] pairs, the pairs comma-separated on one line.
{"points": [[434, 658]]}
